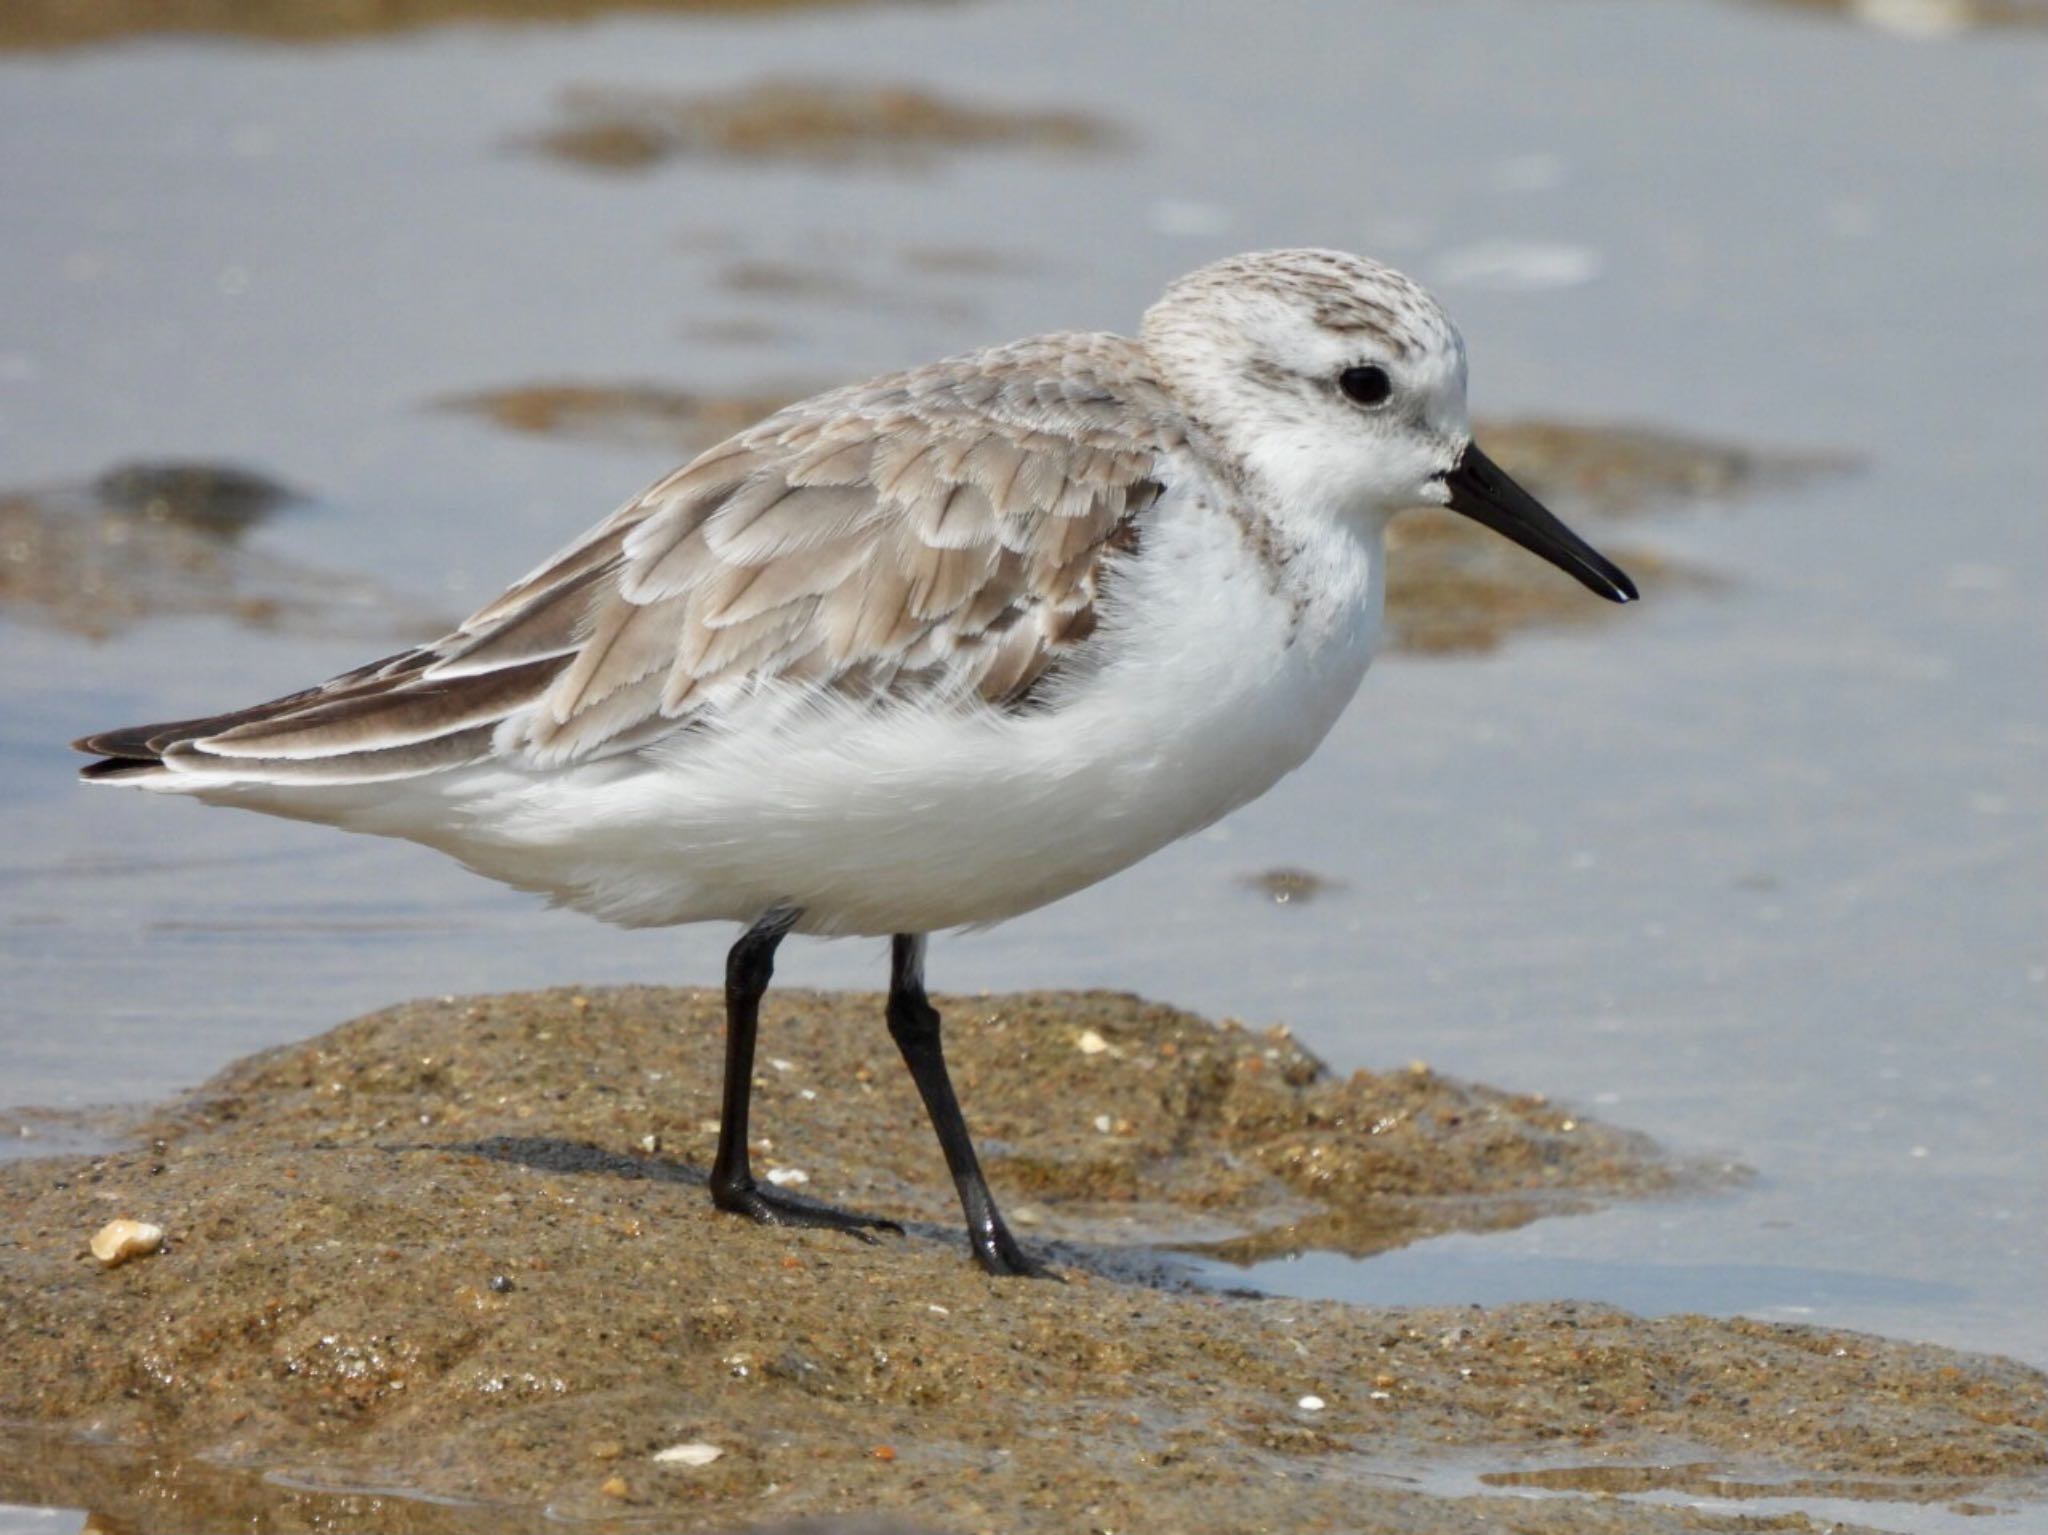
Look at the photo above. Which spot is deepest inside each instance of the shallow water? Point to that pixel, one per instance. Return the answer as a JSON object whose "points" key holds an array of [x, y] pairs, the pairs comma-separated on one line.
{"points": [[1759, 872]]}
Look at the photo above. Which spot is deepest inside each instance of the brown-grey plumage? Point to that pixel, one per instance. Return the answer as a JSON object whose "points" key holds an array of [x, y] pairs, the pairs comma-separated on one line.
{"points": [[937, 534]]}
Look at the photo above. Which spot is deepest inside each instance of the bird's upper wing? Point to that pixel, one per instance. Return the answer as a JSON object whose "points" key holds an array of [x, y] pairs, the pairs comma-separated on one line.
{"points": [[937, 535]]}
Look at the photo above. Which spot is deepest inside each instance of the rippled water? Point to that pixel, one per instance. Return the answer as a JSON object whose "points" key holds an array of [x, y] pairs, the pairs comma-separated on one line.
{"points": [[1760, 871]]}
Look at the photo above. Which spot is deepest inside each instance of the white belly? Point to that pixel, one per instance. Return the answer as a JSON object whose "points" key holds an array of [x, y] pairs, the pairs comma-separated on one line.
{"points": [[894, 822]]}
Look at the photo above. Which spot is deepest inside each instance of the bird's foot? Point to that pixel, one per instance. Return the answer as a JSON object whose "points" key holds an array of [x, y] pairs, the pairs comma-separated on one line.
{"points": [[772, 1208], [999, 1254]]}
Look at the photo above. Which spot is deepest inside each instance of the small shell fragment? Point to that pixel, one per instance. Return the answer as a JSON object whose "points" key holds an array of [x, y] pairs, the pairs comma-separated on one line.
{"points": [[1091, 1043], [782, 1177], [1311, 1404], [118, 1241], [695, 1454]]}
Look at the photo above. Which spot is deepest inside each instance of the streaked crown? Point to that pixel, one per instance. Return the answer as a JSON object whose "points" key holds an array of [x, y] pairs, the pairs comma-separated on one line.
{"points": [[1338, 382]]}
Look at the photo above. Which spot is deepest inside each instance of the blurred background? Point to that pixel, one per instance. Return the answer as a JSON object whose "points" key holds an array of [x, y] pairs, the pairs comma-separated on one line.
{"points": [[320, 322]]}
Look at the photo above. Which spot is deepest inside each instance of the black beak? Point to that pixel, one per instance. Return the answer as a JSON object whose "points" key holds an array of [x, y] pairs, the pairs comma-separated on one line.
{"points": [[1482, 492]]}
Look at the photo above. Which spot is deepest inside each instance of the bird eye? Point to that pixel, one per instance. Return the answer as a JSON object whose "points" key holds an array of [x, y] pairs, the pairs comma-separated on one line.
{"points": [[1365, 386]]}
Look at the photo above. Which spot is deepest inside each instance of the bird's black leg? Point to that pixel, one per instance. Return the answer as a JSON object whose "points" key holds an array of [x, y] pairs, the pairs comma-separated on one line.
{"points": [[914, 1025], [748, 968]]}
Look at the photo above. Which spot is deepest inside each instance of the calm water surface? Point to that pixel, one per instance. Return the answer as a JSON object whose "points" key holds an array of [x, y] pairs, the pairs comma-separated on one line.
{"points": [[1760, 873]]}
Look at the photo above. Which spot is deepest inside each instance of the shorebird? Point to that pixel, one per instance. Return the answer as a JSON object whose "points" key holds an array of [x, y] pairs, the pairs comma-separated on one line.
{"points": [[918, 654]]}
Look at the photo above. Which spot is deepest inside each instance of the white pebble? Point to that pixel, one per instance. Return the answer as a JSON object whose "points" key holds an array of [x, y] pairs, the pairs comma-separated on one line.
{"points": [[1102, 1123], [782, 1177], [118, 1241], [698, 1454], [1311, 1404], [1091, 1043]]}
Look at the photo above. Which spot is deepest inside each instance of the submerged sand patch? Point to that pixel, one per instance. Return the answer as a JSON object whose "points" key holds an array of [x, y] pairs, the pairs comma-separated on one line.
{"points": [[73, 23], [164, 539], [820, 121], [619, 415]]}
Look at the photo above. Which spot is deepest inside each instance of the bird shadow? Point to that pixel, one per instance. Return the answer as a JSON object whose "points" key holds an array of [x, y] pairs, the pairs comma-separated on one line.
{"points": [[1131, 1265], [573, 1158]]}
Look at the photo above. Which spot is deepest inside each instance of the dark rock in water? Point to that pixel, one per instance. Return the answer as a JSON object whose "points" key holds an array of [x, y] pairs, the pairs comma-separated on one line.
{"points": [[208, 498]]}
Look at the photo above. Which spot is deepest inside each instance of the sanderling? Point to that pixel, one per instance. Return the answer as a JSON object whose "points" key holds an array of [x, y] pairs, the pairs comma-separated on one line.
{"points": [[920, 653]]}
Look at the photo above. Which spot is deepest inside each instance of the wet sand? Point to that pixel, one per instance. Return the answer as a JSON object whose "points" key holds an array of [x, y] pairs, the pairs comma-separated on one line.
{"points": [[458, 1250], [74, 23]]}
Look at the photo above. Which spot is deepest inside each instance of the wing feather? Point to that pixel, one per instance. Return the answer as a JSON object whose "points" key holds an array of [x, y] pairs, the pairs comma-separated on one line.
{"points": [[740, 593], [632, 641], [557, 626], [938, 537], [959, 516], [833, 462], [365, 720], [785, 518]]}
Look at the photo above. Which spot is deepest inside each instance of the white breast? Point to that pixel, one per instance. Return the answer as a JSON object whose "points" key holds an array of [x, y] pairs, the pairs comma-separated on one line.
{"points": [[1218, 678]]}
